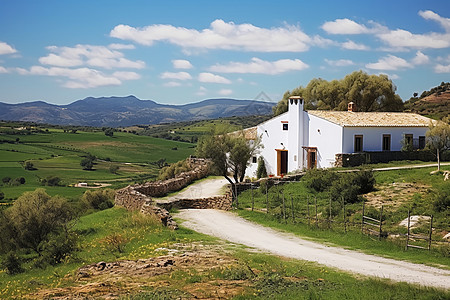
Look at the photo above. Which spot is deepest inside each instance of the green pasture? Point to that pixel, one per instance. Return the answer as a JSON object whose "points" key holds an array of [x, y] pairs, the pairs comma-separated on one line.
{"points": [[57, 153]]}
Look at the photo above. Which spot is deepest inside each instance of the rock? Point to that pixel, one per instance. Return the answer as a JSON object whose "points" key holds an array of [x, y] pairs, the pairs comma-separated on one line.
{"points": [[101, 265]]}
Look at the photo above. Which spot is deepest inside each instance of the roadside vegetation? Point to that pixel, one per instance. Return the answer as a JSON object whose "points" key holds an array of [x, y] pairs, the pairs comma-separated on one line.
{"points": [[421, 191]]}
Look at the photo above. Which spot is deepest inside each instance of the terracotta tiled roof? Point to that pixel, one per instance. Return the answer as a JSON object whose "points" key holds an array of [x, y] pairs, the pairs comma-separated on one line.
{"points": [[372, 119]]}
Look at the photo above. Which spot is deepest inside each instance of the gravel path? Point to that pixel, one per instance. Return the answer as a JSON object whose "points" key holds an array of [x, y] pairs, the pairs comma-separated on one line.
{"points": [[230, 227], [201, 189]]}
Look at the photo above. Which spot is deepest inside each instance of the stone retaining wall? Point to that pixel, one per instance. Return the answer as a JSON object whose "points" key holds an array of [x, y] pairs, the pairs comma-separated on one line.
{"points": [[200, 169], [138, 197]]}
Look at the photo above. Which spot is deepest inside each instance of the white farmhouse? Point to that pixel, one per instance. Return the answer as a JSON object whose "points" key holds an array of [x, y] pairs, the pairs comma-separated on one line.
{"points": [[300, 139]]}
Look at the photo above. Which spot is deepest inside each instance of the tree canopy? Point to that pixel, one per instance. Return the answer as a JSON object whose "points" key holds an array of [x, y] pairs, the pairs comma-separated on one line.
{"points": [[368, 92], [438, 139], [230, 153]]}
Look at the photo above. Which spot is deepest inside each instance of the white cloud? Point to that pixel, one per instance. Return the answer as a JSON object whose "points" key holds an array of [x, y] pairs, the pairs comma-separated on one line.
{"points": [[212, 78], [402, 38], [3, 70], [225, 92], [351, 45], [126, 75], [201, 91], [344, 26], [442, 68], [121, 46], [389, 62], [340, 62], [81, 77], [181, 64], [220, 35], [420, 59], [259, 66], [88, 55], [6, 49], [430, 15], [178, 75], [172, 84]]}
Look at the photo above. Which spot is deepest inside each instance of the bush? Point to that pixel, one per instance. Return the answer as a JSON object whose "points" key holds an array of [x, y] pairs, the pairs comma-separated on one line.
{"points": [[173, 170], [364, 180], [12, 263], [99, 199], [2, 195], [34, 216], [6, 179], [344, 189], [261, 171], [320, 179], [441, 199], [56, 248], [29, 166], [113, 169], [51, 181]]}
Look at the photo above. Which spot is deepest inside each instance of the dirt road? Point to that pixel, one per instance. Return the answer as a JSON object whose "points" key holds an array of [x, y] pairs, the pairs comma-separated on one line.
{"points": [[230, 227]]}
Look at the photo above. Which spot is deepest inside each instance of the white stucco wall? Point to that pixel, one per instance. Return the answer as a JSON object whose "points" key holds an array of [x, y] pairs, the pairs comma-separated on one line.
{"points": [[327, 137], [373, 137], [272, 135]]}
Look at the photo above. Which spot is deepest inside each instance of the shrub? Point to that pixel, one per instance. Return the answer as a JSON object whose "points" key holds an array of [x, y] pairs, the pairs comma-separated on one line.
{"points": [[173, 170], [29, 166], [364, 180], [441, 199], [113, 169], [2, 196], [6, 179], [12, 263], [261, 171], [99, 199], [114, 242], [320, 179], [344, 189], [51, 181], [34, 216], [56, 248]]}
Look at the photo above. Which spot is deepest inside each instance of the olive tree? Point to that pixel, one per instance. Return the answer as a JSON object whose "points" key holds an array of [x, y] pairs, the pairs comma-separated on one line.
{"points": [[438, 139]]}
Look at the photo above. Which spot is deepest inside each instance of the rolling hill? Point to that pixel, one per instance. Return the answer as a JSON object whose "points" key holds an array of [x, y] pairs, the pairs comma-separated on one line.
{"points": [[127, 111]]}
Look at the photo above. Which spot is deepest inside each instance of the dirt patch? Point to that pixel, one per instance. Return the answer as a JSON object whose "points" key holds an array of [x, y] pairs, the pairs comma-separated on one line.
{"points": [[95, 186], [394, 194], [183, 272]]}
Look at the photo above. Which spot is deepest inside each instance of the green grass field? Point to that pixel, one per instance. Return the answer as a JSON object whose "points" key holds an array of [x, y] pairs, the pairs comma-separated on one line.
{"points": [[57, 153], [391, 186], [253, 275]]}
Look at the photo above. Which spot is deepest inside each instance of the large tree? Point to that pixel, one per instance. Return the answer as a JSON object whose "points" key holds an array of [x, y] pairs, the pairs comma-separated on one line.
{"points": [[368, 92], [438, 139]]}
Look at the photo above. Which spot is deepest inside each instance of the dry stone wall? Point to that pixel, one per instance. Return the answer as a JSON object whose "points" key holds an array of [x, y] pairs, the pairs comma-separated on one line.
{"points": [[138, 197]]}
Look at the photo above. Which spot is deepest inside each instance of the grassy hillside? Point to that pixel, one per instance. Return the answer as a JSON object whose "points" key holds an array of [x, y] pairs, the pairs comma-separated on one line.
{"points": [[192, 130], [434, 103], [58, 153], [156, 263]]}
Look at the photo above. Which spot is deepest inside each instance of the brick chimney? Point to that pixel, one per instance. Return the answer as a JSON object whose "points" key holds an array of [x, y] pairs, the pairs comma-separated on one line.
{"points": [[352, 107]]}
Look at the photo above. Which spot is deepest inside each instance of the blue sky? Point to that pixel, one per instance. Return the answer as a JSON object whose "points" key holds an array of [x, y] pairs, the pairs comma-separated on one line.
{"points": [[179, 52]]}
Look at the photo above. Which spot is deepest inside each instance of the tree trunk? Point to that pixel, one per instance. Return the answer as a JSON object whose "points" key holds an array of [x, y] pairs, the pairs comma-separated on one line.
{"points": [[438, 160]]}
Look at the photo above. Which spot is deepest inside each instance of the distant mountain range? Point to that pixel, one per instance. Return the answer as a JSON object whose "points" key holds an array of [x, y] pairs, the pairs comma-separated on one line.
{"points": [[127, 111]]}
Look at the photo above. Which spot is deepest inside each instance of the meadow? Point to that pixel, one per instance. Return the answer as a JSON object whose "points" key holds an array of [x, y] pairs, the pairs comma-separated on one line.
{"points": [[58, 153], [398, 191], [232, 271]]}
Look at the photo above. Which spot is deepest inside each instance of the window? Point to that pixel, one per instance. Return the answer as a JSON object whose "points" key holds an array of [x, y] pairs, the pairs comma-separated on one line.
{"points": [[421, 142], [254, 159], [386, 142], [358, 143], [285, 126]]}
